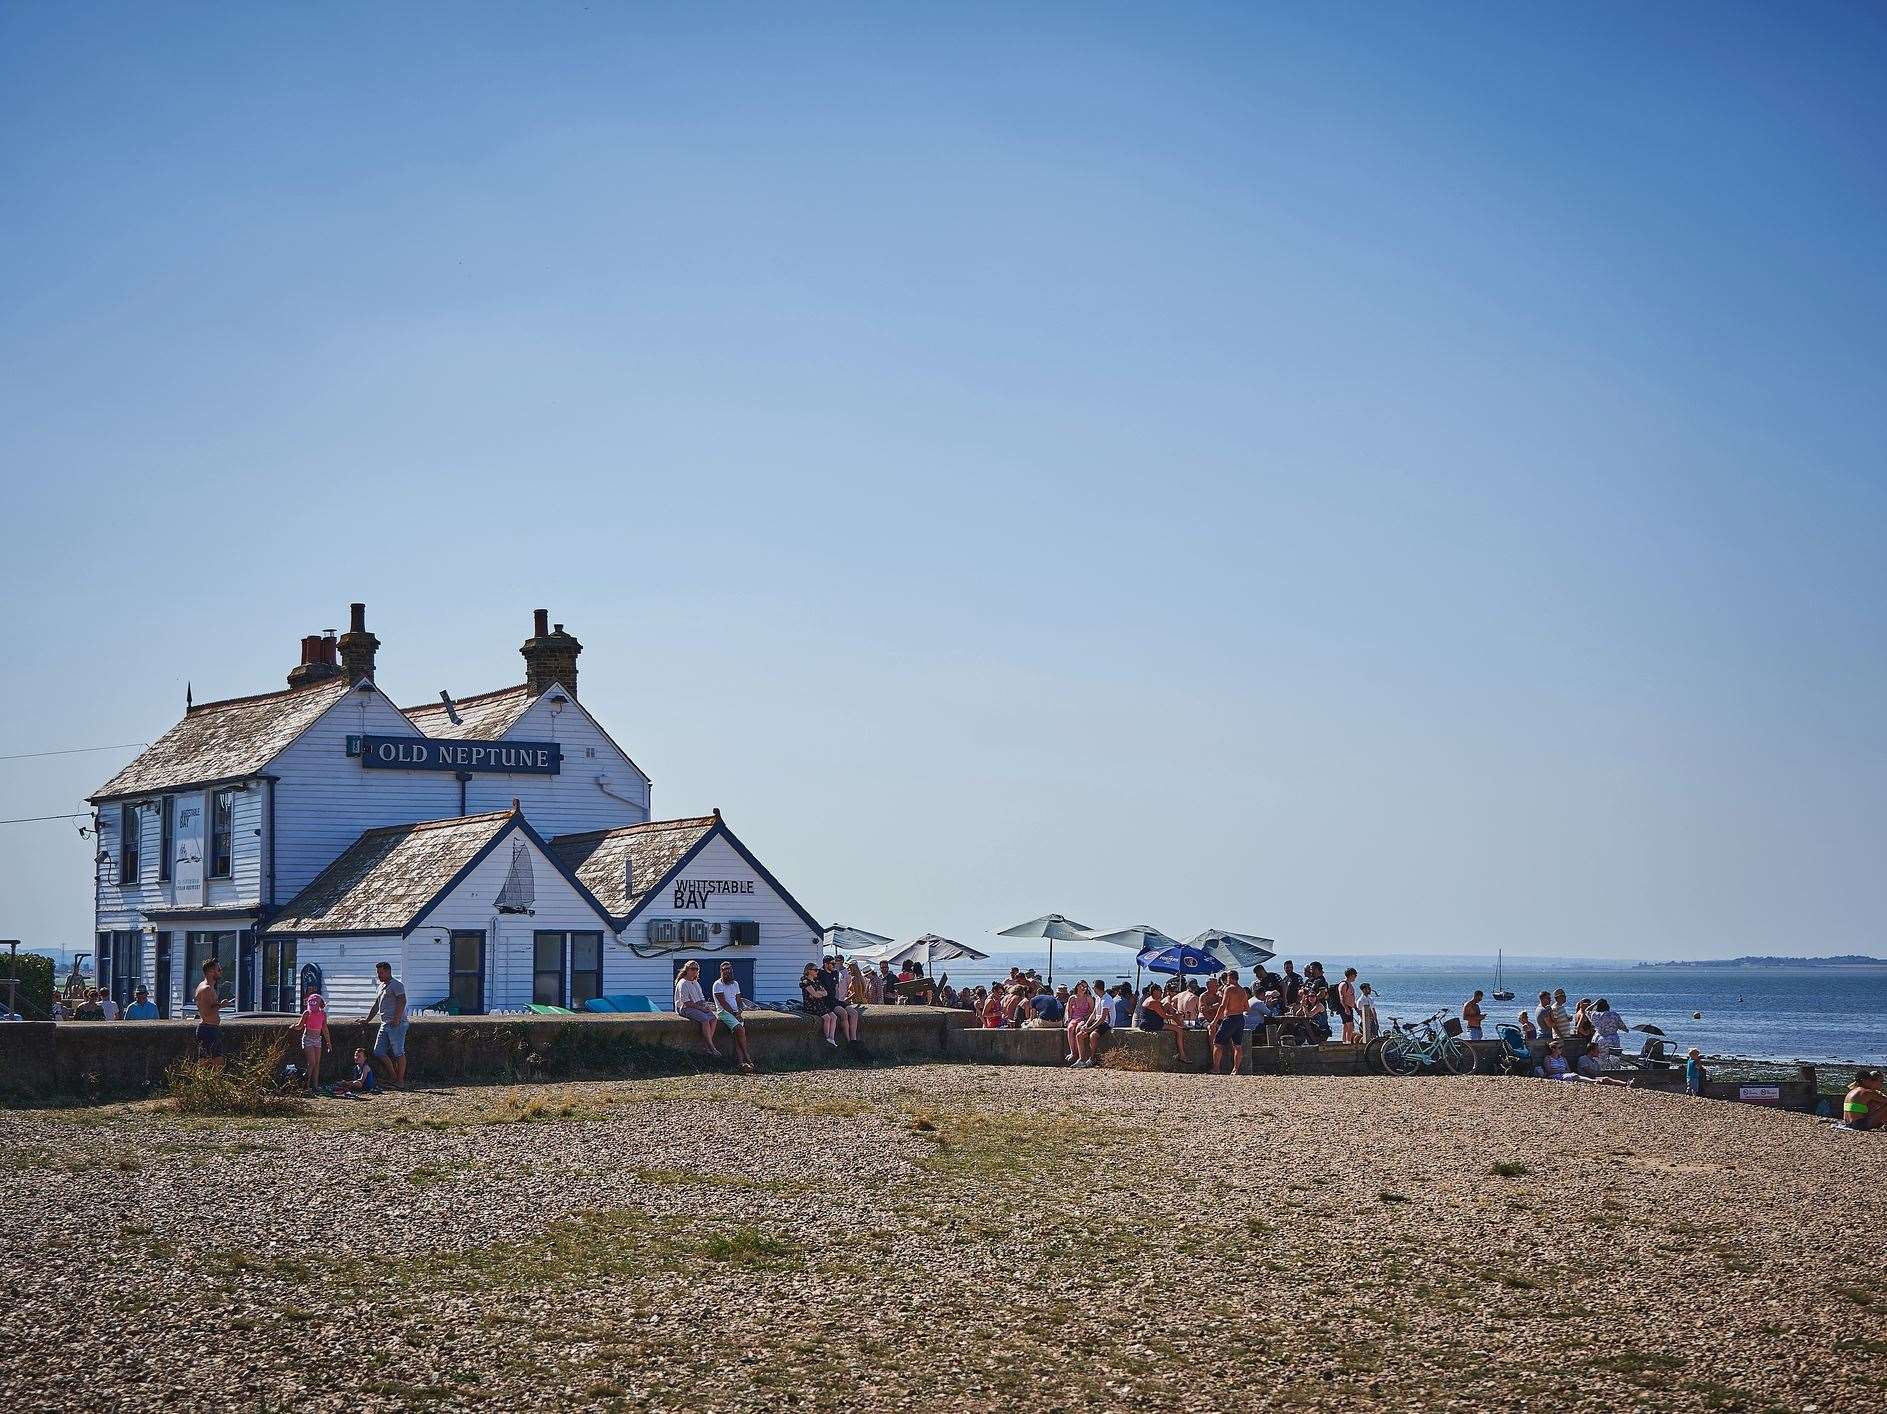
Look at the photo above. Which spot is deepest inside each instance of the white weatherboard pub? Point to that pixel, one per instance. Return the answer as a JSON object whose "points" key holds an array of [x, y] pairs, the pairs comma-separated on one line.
{"points": [[497, 850]]}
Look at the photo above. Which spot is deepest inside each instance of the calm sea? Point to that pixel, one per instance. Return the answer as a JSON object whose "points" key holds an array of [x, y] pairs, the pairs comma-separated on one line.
{"points": [[1768, 1013]]}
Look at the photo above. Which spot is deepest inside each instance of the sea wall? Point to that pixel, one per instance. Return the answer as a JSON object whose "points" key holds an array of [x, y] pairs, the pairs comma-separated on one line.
{"points": [[47, 1061], [52, 1062]]}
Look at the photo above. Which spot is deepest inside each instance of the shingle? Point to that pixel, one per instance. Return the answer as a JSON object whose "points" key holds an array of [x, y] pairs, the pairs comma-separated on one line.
{"points": [[384, 878], [484, 717], [607, 861], [220, 741]]}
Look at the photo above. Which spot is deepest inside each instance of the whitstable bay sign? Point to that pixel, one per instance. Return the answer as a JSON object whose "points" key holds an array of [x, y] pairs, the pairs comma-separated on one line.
{"points": [[406, 753]]}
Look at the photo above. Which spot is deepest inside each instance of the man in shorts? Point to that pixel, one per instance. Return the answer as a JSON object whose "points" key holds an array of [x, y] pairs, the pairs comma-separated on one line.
{"points": [[389, 1042], [210, 1013], [1473, 1017], [730, 1007], [1228, 1024]]}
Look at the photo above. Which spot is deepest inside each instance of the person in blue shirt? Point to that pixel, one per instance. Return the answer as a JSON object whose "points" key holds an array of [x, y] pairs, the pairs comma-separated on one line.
{"points": [[362, 1082], [1048, 1005], [1123, 1006], [143, 1008], [1694, 1073]]}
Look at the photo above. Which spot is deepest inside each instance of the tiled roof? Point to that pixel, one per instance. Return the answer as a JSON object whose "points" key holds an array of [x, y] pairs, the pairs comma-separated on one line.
{"points": [[384, 878], [485, 717], [220, 741], [622, 866]]}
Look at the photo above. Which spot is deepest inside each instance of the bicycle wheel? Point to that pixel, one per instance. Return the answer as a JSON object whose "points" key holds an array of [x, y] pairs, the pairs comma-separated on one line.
{"points": [[1372, 1053], [1456, 1057], [1401, 1056]]}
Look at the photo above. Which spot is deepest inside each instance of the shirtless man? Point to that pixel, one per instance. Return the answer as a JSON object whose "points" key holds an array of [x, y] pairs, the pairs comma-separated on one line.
{"points": [[1472, 1016], [1228, 1024], [210, 1014], [1346, 1000]]}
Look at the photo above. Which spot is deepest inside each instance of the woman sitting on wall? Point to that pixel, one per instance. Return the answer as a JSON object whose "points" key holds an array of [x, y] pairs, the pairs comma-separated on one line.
{"points": [[854, 1002], [819, 1001], [693, 1004]]}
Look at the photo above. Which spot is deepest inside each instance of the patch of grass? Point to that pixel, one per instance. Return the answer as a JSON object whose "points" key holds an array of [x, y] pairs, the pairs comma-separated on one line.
{"points": [[1509, 1168], [1644, 1366], [244, 1085], [747, 1246], [992, 1144], [438, 1172]]}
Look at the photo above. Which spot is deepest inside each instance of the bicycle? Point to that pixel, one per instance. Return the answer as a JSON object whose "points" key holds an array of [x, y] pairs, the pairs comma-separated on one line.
{"points": [[1410, 1045]]}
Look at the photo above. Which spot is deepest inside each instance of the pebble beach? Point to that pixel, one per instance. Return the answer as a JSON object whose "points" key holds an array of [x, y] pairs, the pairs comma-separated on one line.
{"points": [[952, 1236]]}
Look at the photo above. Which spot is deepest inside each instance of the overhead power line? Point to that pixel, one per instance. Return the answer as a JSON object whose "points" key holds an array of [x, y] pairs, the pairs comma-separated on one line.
{"points": [[73, 751], [29, 819]]}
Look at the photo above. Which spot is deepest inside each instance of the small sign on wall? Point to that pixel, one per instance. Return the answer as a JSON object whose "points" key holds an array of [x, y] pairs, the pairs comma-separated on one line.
{"points": [[1759, 1094]]}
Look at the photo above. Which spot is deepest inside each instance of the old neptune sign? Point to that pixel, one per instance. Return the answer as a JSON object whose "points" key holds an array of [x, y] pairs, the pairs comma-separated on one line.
{"points": [[405, 753]]}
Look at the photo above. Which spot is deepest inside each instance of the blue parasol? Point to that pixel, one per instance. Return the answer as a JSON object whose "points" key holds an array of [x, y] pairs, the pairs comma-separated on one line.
{"points": [[1180, 959]]}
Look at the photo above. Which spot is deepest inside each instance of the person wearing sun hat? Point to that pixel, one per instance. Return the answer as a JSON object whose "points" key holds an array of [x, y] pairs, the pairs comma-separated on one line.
{"points": [[314, 1037]]}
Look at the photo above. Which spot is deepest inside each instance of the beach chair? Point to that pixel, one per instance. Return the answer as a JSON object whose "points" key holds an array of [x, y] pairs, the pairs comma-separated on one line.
{"points": [[1519, 1058], [546, 1009]]}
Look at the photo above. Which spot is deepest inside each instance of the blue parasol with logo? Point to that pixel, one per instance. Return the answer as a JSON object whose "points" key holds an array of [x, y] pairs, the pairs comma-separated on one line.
{"points": [[1181, 959]]}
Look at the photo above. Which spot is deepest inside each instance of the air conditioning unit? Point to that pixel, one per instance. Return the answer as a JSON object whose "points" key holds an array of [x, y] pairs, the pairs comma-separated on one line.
{"points": [[663, 931], [744, 935], [694, 931]]}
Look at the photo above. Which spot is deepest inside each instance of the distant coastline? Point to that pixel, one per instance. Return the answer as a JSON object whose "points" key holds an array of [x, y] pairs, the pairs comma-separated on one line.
{"points": [[1845, 960]]}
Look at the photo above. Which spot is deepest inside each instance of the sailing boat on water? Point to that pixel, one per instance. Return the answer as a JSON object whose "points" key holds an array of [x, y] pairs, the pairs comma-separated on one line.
{"points": [[1501, 993]]}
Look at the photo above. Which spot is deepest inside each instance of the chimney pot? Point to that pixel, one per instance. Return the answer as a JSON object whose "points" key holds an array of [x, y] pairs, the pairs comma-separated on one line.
{"points": [[357, 646], [317, 662], [550, 657]]}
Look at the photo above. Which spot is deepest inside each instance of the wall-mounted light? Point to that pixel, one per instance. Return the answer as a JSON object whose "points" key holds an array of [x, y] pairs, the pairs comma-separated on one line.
{"points": [[558, 702]]}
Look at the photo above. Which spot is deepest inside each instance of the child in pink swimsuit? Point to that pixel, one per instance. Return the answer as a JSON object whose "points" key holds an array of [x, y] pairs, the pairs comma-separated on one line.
{"points": [[314, 1038]]}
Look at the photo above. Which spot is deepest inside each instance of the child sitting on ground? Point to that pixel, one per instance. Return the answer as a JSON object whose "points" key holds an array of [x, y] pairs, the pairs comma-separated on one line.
{"points": [[362, 1081]]}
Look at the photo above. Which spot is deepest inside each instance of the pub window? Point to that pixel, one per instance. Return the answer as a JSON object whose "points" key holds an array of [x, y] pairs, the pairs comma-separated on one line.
{"points": [[467, 986], [278, 975], [547, 969], [222, 820], [199, 948], [128, 841], [166, 836], [586, 967]]}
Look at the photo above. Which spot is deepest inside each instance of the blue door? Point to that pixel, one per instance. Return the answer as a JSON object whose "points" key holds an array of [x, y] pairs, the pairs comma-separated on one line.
{"points": [[711, 973]]}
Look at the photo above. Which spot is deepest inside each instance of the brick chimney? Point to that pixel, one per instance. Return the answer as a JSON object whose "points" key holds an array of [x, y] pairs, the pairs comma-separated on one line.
{"points": [[550, 656], [357, 645], [317, 661]]}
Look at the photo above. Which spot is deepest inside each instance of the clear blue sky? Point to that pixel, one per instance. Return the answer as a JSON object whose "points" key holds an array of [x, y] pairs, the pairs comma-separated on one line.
{"points": [[1389, 477]]}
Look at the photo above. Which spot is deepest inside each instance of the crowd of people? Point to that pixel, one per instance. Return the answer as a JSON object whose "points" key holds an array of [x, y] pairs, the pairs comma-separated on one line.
{"points": [[1283, 1007]]}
